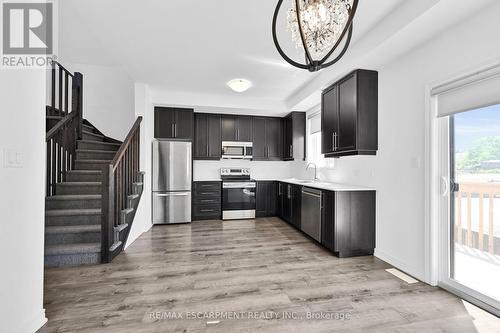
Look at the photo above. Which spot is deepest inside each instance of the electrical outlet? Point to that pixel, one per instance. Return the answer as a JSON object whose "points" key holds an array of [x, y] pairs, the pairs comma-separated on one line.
{"points": [[12, 159]]}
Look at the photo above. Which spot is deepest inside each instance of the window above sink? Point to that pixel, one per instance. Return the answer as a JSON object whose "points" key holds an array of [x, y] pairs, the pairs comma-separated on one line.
{"points": [[314, 142]]}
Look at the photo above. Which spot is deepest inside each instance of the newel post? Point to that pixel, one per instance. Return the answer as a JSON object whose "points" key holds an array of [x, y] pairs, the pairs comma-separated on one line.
{"points": [[107, 211], [78, 100]]}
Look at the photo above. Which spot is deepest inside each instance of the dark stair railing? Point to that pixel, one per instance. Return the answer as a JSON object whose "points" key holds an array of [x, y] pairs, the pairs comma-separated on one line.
{"points": [[118, 177], [117, 184], [61, 139]]}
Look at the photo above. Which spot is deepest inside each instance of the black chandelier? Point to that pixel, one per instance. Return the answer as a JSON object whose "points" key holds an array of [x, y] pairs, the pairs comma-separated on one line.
{"points": [[318, 27]]}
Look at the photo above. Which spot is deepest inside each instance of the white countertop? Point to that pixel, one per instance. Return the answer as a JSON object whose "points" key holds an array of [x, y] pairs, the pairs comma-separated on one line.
{"points": [[308, 183], [327, 185]]}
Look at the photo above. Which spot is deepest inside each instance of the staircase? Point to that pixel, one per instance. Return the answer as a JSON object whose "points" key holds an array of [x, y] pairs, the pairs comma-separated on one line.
{"points": [[86, 221]]}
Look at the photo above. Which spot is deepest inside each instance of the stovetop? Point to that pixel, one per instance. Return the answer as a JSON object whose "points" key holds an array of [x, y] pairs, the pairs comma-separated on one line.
{"points": [[228, 180], [235, 174]]}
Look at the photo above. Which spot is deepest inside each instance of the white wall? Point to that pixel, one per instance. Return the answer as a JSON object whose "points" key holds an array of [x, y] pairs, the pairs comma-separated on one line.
{"points": [[22, 130], [397, 172], [108, 98], [144, 108]]}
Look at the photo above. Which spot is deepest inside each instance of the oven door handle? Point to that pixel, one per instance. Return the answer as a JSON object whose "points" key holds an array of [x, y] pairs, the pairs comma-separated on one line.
{"points": [[238, 185], [249, 193]]}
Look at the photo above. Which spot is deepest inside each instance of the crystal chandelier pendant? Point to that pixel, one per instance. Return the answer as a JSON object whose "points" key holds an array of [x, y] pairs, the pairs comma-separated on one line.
{"points": [[318, 27]]}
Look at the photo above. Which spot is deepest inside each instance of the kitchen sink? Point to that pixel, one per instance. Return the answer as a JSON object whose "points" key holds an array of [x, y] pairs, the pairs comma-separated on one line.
{"points": [[306, 181], [312, 182]]}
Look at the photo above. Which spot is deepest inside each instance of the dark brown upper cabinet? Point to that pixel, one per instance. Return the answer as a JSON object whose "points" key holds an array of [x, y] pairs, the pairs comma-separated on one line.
{"points": [[207, 136], [294, 136], [236, 128], [173, 123], [349, 115], [267, 139]]}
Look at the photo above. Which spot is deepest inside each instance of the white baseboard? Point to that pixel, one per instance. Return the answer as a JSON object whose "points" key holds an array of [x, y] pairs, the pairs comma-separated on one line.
{"points": [[147, 227], [399, 265], [34, 324]]}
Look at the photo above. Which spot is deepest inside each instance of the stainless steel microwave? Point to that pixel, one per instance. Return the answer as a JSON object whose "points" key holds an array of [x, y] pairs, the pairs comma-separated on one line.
{"points": [[237, 150]]}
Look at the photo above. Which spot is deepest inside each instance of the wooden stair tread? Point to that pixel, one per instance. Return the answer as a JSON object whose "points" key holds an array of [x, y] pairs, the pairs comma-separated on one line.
{"points": [[74, 197], [101, 143], [79, 184], [94, 151], [85, 171], [72, 229], [73, 248], [93, 161], [92, 133], [73, 212]]}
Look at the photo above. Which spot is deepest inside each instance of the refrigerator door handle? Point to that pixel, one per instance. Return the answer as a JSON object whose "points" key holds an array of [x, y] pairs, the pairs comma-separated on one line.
{"points": [[173, 194]]}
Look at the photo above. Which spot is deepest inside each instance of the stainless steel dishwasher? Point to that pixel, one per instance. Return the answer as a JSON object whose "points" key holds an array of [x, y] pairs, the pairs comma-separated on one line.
{"points": [[311, 212]]}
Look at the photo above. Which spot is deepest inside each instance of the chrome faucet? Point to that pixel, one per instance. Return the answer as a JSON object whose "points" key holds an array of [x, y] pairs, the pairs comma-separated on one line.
{"points": [[315, 170]]}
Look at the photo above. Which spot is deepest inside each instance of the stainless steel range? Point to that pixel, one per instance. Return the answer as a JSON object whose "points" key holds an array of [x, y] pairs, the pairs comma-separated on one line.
{"points": [[238, 194]]}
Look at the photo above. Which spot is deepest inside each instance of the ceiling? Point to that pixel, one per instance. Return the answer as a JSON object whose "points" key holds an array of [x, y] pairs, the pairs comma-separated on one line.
{"points": [[191, 48], [191, 45]]}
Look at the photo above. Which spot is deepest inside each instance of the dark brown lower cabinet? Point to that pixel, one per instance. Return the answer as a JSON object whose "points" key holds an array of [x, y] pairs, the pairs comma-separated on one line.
{"points": [[289, 203], [266, 199], [347, 218], [207, 201], [296, 205], [348, 222]]}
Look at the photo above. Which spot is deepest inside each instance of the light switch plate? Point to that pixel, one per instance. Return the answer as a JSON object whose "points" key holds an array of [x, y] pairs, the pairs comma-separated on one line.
{"points": [[416, 162], [12, 159]]}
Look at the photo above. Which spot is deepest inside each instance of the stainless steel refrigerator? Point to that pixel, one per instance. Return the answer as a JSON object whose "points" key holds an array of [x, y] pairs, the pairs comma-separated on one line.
{"points": [[172, 167]]}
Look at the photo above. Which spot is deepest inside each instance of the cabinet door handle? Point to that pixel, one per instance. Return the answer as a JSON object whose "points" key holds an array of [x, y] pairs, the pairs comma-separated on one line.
{"points": [[172, 128], [175, 130], [333, 141]]}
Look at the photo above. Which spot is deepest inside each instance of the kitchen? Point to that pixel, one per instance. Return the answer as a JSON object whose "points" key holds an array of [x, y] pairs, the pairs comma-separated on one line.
{"points": [[331, 161], [207, 166]]}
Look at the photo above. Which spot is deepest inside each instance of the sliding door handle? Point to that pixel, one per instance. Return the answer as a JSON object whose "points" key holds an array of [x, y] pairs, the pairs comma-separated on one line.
{"points": [[444, 186]]}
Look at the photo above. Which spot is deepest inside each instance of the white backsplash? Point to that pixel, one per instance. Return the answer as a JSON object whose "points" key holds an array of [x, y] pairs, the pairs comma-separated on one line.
{"points": [[260, 170]]}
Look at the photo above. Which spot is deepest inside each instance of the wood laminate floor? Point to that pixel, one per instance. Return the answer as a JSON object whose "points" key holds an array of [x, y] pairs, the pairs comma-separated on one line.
{"points": [[261, 268]]}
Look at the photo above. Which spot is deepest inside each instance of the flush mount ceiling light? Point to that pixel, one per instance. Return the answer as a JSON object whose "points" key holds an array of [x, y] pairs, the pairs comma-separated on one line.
{"points": [[318, 27], [239, 85]]}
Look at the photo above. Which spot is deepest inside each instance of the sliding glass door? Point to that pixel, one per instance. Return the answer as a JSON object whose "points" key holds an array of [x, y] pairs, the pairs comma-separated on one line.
{"points": [[470, 204], [475, 200]]}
